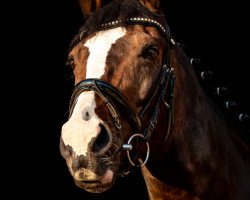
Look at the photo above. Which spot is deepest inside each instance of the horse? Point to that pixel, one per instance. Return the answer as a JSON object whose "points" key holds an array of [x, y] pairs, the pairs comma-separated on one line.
{"points": [[137, 103]]}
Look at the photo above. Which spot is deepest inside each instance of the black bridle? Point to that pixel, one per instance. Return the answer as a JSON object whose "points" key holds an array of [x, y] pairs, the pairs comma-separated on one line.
{"points": [[113, 97]]}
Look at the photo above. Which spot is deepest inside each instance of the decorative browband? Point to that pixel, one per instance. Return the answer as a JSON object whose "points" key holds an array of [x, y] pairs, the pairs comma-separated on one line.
{"points": [[165, 31], [139, 19]]}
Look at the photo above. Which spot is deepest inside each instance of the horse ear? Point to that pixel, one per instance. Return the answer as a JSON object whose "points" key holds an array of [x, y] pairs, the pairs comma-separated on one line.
{"points": [[152, 5], [88, 6]]}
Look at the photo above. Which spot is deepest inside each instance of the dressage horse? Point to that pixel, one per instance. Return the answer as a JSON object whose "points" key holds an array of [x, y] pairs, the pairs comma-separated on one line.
{"points": [[138, 103]]}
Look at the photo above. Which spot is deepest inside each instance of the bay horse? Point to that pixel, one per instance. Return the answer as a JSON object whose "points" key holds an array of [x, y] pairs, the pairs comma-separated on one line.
{"points": [[137, 102]]}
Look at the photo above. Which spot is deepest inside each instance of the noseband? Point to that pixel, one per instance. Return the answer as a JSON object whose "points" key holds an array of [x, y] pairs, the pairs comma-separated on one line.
{"points": [[113, 97]]}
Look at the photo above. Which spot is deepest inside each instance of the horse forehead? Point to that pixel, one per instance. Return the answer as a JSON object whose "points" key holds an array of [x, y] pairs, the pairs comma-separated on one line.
{"points": [[98, 47], [106, 36]]}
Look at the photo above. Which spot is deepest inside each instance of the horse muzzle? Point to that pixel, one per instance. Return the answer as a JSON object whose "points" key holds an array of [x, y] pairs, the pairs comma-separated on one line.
{"points": [[91, 182]]}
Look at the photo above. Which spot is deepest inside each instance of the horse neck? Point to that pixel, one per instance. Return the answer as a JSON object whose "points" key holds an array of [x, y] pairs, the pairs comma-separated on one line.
{"points": [[195, 116], [201, 147]]}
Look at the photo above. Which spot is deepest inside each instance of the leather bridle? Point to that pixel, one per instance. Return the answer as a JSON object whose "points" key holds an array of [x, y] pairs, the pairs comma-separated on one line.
{"points": [[114, 98]]}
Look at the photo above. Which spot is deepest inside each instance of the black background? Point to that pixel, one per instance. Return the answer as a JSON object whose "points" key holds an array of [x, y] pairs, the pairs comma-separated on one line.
{"points": [[39, 35]]}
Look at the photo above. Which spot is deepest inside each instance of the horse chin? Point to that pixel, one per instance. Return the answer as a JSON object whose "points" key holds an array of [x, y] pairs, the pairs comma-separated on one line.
{"points": [[96, 187], [100, 185]]}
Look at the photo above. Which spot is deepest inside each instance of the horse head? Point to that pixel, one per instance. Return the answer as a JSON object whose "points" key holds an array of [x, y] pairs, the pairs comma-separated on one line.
{"points": [[120, 62]]}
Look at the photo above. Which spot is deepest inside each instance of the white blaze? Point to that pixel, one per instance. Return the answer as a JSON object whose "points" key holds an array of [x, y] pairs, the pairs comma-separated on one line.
{"points": [[99, 47], [78, 132]]}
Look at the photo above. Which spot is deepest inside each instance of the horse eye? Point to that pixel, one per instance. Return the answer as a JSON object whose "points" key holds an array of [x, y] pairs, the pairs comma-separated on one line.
{"points": [[71, 63], [151, 52]]}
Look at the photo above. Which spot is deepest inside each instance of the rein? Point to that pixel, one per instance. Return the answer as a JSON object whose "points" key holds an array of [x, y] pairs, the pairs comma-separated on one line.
{"points": [[113, 97]]}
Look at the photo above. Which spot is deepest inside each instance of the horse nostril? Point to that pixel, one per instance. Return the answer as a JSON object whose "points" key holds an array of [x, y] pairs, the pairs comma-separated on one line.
{"points": [[101, 141]]}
